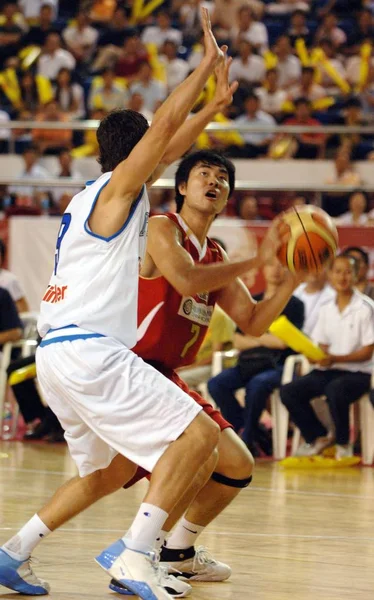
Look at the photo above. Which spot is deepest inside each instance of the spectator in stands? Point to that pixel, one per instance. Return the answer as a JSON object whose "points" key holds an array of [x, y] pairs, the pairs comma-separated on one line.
{"points": [[309, 145], [66, 168], [37, 34], [131, 57], [358, 145], [285, 7], [335, 203], [54, 58], [345, 332], [31, 8], [247, 67], [136, 102], [176, 68], [218, 337], [69, 96], [51, 141], [11, 12], [112, 39], [314, 293], [109, 95], [363, 284], [34, 92], [326, 81], [256, 144], [353, 70], [259, 368], [225, 13], [298, 28], [153, 91], [249, 29], [31, 170], [357, 214], [362, 31], [288, 65], [307, 88], [189, 16], [158, 34], [329, 30], [10, 35], [247, 208], [272, 98], [11, 283], [80, 38]]}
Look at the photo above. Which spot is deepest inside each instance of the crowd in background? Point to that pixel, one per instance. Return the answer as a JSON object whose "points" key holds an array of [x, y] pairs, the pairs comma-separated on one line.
{"points": [[298, 62]]}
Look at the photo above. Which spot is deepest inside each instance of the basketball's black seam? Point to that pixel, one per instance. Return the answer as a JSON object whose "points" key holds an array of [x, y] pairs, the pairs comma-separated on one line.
{"points": [[307, 237]]}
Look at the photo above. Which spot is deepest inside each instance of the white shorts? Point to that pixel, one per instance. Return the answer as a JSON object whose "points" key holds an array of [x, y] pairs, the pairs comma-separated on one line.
{"points": [[110, 401]]}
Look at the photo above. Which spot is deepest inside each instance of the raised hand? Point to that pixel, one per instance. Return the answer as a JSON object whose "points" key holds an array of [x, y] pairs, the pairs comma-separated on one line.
{"points": [[224, 91], [212, 51]]}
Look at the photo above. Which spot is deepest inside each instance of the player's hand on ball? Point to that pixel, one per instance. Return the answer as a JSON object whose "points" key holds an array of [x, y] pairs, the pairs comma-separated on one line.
{"points": [[276, 235]]}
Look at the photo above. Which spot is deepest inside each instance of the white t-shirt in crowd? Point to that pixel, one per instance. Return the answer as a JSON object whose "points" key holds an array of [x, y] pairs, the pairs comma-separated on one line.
{"points": [[347, 219], [176, 71], [271, 102], [253, 70], [289, 70], [156, 35], [256, 34], [11, 283], [49, 65], [347, 331], [312, 304]]}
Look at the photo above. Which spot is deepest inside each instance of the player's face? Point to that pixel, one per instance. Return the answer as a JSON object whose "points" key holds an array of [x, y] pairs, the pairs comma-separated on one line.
{"points": [[342, 276], [207, 188]]}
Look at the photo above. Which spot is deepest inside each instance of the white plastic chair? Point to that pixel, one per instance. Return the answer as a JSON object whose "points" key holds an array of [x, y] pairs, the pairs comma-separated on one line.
{"points": [[279, 413], [27, 345]]}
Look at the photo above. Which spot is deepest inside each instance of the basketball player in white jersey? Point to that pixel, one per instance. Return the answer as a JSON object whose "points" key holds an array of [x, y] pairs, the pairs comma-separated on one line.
{"points": [[115, 409]]}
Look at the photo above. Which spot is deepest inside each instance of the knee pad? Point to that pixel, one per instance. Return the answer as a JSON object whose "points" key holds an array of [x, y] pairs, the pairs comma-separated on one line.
{"points": [[235, 483]]}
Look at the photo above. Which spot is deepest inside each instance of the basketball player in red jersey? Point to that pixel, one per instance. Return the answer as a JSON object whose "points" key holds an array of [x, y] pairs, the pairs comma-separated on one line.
{"points": [[173, 316]]}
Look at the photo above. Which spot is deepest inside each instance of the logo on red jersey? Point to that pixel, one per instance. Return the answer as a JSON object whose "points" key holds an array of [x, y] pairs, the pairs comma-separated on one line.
{"points": [[195, 311], [55, 293]]}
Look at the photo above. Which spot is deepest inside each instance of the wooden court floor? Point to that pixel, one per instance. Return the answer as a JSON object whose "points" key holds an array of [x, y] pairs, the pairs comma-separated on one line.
{"points": [[293, 535]]}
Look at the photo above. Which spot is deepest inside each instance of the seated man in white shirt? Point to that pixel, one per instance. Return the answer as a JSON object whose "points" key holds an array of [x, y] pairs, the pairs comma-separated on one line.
{"points": [[249, 29], [54, 58], [247, 67], [158, 34], [256, 144], [345, 331]]}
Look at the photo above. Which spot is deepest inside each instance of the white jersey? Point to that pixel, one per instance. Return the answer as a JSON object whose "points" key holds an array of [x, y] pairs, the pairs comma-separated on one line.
{"points": [[94, 285]]}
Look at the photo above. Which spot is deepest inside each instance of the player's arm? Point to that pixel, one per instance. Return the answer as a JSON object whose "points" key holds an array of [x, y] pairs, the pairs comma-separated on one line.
{"points": [[188, 278], [191, 128], [130, 174]]}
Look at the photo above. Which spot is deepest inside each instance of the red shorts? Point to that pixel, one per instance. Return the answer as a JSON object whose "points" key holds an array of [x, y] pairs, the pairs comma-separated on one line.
{"points": [[212, 412]]}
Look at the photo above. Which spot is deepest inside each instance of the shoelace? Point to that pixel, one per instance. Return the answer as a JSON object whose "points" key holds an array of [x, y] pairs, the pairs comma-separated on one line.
{"points": [[203, 557]]}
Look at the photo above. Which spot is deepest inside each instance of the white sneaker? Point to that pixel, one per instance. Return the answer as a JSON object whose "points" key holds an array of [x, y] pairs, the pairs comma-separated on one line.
{"points": [[343, 451], [305, 449], [137, 571], [175, 587], [18, 575], [197, 565]]}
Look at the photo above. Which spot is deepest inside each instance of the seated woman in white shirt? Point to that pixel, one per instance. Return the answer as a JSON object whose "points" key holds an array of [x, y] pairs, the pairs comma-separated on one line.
{"points": [[11, 283], [345, 332]]}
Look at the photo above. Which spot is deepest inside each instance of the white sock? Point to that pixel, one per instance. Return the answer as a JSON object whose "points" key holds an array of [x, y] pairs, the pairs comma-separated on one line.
{"points": [[145, 528], [21, 545], [184, 535]]}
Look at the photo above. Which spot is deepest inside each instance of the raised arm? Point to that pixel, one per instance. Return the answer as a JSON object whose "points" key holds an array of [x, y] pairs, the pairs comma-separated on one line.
{"points": [[129, 176], [191, 128], [177, 266]]}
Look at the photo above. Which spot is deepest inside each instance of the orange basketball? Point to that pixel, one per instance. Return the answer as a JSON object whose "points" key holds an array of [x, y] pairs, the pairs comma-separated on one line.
{"points": [[313, 240]]}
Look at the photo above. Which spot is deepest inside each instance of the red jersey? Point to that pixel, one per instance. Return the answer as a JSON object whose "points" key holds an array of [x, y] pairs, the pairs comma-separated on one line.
{"points": [[171, 327]]}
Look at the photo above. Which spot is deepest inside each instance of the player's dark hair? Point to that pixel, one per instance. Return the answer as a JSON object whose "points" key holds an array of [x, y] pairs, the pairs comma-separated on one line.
{"points": [[361, 251], [117, 135], [190, 161]]}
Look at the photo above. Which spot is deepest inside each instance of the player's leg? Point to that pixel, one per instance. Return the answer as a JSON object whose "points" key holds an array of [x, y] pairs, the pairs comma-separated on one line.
{"points": [[70, 499], [233, 472]]}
